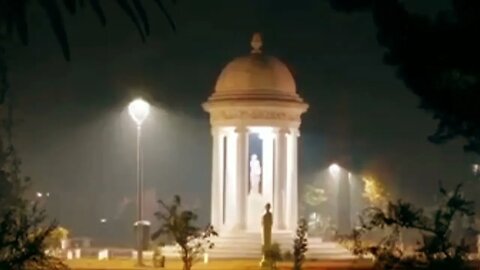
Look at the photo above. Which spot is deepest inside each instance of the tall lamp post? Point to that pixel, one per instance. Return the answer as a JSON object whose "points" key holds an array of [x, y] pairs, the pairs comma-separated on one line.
{"points": [[343, 197], [139, 110]]}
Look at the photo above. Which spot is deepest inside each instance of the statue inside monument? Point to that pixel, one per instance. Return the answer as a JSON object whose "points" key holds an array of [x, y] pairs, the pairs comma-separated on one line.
{"points": [[255, 199]]}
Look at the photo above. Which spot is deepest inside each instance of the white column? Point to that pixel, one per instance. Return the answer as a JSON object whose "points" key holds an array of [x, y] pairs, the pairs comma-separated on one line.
{"points": [[217, 178], [230, 181], [267, 166], [292, 180], [279, 185], [242, 177]]}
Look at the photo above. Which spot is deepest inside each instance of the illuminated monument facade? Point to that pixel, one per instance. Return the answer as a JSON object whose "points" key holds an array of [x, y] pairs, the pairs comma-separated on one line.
{"points": [[255, 97], [255, 116]]}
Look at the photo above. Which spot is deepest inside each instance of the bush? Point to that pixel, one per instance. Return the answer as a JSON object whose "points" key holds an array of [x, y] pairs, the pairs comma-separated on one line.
{"points": [[436, 249], [178, 224], [273, 255], [300, 245], [287, 256]]}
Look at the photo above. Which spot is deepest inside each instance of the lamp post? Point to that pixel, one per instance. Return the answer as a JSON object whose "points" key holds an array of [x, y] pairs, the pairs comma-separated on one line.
{"points": [[342, 177], [139, 110]]}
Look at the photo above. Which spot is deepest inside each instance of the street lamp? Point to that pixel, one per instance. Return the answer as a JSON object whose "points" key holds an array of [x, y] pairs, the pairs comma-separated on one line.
{"points": [[334, 170], [139, 110], [343, 196], [476, 169]]}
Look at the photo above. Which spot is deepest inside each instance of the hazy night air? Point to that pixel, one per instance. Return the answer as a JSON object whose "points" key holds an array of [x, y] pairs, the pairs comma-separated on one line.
{"points": [[77, 142]]}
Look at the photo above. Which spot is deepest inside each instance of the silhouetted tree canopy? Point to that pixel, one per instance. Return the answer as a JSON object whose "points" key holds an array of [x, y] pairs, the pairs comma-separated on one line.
{"points": [[24, 229], [438, 59]]}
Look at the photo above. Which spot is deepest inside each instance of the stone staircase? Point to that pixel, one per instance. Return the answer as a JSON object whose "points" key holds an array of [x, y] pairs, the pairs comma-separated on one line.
{"points": [[248, 246]]}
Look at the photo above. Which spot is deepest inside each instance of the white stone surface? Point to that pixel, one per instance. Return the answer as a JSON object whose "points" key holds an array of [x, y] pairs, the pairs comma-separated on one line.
{"points": [[256, 208], [248, 246]]}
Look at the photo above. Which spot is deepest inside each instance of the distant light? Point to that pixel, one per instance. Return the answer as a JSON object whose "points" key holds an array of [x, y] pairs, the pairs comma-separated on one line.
{"points": [[142, 223], [103, 220], [139, 110], [48, 194], [39, 195], [334, 170], [476, 169]]}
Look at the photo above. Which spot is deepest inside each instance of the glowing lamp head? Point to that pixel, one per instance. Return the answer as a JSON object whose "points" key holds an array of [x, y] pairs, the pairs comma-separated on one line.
{"points": [[476, 169], [139, 110], [334, 169]]}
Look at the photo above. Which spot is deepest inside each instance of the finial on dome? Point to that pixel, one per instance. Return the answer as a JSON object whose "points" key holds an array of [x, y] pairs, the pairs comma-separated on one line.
{"points": [[256, 43]]}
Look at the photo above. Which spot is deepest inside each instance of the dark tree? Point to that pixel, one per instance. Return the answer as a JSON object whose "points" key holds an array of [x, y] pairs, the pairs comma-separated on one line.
{"points": [[436, 249], [437, 59], [178, 224], [23, 225], [14, 22]]}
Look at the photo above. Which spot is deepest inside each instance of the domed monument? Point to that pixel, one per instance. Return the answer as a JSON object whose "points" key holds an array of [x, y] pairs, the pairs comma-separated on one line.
{"points": [[254, 95], [255, 116]]}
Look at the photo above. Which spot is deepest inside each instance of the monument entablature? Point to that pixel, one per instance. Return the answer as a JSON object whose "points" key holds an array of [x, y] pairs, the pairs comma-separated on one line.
{"points": [[257, 114]]}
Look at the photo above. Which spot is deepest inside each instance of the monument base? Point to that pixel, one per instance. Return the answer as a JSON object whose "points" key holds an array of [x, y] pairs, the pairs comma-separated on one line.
{"points": [[264, 263], [249, 246], [255, 208]]}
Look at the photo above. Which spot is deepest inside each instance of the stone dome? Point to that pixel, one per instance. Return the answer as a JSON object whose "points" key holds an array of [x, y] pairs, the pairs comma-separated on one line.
{"points": [[256, 77], [255, 90]]}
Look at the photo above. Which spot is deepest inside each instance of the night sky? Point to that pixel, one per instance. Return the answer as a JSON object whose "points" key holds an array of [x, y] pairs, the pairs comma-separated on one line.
{"points": [[77, 141]]}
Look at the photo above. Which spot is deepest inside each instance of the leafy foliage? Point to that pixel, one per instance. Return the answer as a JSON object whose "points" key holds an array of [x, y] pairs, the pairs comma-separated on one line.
{"points": [[375, 192], [273, 255], [314, 196], [54, 239], [300, 245], [437, 58], [436, 249], [318, 203], [178, 224], [23, 229]]}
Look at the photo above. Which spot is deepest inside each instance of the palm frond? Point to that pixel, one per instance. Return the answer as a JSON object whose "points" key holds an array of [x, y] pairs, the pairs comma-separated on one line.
{"points": [[19, 18], [143, 15], [131, 14], [166, 13], [56, 21], [97, 8]]}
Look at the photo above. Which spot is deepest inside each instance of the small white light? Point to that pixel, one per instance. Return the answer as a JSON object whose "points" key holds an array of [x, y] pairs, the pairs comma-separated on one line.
{"points": [[475, 169], [39, 195], [139, 110], [103, 220]]}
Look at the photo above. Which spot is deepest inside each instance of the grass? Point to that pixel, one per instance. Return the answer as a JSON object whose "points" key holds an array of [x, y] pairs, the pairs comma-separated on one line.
{"points": [[170, 264], [118, 264]]}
